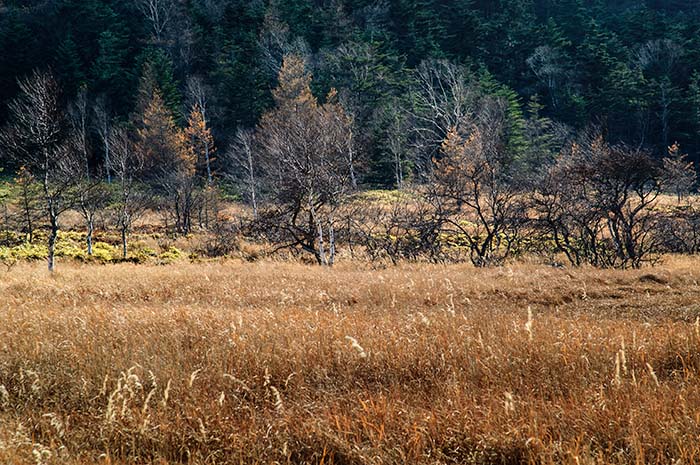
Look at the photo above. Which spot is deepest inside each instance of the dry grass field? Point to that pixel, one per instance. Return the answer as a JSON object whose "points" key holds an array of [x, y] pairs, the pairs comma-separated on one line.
{"points": [[283, 363]]}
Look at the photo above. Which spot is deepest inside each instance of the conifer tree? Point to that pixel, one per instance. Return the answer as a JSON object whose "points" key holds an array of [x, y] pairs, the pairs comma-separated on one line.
{"points": [[201, 142], [27, 197], [159, 139]]}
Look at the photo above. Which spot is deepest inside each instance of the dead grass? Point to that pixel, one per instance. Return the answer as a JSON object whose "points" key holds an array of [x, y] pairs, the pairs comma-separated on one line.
{"points": [[275, 362]]}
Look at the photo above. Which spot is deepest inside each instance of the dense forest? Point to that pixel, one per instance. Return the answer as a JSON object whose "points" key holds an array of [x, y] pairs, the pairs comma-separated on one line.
{"points": [[630, 66], [565, 117]]}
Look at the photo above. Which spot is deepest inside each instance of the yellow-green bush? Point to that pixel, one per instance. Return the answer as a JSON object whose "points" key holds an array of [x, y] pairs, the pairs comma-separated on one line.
{"points": [[27, 251], [70, 250], [103, 252], [380, 195], [170, 255]]}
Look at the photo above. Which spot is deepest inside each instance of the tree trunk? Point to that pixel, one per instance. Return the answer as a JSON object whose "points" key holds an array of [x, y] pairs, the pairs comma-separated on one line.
{"points": [[90, 230], [398, 171], [178, 219], [124, 243], [314, 223], [321, 247], [108, 163], [665, 114], [331, 244], [353, 178], [251, 180], [52, 210], [53, 236], [210, 180], [30, 225]]}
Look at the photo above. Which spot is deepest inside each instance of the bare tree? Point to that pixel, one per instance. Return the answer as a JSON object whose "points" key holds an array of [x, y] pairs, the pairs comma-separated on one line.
{"points": [[159, 13], [198, 130], [545, 63], [131, 203], [470, 189], [180, 195], [90, 196], [197, 93], [443, 100], [397, 144], [38, 136], [241, 169], [402, 227], [598, 203], [302, 155], [79, 119], [276, 42], [662, 55], [103, 126]]}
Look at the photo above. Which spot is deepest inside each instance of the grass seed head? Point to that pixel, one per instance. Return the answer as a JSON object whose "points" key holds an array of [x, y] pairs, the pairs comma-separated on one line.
{"points": [[356, 347]]}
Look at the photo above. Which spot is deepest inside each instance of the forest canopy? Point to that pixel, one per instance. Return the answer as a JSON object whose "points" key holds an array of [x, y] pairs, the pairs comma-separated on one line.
{"points": [[632, 67]]}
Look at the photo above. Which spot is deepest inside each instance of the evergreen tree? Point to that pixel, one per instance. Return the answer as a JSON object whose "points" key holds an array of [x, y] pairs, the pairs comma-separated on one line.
{"points": [[514, 127], [110, 72], [157, 77], [68, 66], [678, 176]]}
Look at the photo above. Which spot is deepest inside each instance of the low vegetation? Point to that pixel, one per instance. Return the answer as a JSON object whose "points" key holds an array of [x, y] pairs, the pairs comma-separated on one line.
{"points": [[283, 363]]}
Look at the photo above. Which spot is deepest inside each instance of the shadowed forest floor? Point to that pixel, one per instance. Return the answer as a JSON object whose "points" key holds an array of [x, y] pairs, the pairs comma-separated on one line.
{"points": [[281, 362]]}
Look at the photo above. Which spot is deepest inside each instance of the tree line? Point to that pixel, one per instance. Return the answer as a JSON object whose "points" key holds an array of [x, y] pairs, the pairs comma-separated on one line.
{"points": [[476, 191]]}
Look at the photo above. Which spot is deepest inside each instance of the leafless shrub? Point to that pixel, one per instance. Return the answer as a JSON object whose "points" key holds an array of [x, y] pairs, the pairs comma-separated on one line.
{"points": [[477, 203], [222, 239], [597, 204], [678, 231], [404, 228]]}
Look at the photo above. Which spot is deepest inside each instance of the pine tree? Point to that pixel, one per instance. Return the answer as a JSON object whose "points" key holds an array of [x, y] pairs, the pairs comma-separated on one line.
{"points": [[543, 138], [157, 74], [110, 72], [514, 128], [68, 65], [693, 99]]}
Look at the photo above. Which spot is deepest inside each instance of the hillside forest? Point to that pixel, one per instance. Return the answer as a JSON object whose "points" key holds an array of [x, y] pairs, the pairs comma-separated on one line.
{"points": [[393, 129]]}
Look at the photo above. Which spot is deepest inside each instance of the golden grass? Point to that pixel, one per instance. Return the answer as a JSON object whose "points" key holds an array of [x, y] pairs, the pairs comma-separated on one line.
{"points": [[275, 362]]}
